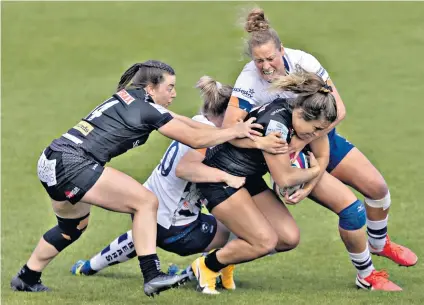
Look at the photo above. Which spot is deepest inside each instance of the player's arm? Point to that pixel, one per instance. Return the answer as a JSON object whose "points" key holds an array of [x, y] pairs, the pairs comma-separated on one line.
{"points": [[287, 176], [192, 169], [237, 110], [207, 137], [190, 122], [321, 150]]}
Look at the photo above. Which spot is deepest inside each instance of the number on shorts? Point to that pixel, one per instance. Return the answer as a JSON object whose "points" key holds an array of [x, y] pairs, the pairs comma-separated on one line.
{"points": [[166, 165]]}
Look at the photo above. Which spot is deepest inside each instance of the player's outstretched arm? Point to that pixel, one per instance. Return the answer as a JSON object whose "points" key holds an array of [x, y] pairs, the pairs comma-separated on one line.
{"points": [[190, 122], [287, 176], [207, 137], [192, 169]]}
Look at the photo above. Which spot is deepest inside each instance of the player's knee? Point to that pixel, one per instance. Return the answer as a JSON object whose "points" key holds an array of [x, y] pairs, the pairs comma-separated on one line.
{"points": [[353, 217], [382, 203], [66, 232], [266, 243], [147, 201], [290, 241], [377, 188]]}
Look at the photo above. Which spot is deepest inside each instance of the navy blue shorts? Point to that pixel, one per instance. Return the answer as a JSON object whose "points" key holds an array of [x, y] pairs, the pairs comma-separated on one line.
{"points": [[189, 239], [339, 148]]}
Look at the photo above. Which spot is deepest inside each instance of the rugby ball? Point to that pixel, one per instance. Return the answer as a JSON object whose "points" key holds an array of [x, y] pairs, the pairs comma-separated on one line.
{"points": [[300, 162]]}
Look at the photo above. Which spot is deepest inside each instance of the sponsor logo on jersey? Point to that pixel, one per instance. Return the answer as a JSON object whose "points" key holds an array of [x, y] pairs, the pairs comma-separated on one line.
{"points": [[277, 111], [275, 126], [125, 96], [84, 127], [247, 93], [70, 194]]}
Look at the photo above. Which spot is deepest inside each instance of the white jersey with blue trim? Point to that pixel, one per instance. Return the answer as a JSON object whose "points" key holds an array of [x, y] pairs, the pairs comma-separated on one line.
{"points": [[251, 90], [179, 200]]}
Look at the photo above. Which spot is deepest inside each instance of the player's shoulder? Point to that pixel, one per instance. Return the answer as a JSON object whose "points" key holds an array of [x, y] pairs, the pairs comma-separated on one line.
{"points": [[202, 119], [249, 74]]}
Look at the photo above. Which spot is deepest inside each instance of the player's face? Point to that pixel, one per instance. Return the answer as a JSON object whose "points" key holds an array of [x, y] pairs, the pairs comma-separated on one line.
{"points": [[306, 129], [164, 93], [268, 60]]}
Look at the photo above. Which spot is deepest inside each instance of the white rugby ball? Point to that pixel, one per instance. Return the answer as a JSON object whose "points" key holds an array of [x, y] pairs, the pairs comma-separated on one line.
{"points": [[300, 162]]}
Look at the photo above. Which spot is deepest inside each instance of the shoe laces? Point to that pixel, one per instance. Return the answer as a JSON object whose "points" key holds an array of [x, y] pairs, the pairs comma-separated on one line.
{"points": [[379, 275], [395, 248]]}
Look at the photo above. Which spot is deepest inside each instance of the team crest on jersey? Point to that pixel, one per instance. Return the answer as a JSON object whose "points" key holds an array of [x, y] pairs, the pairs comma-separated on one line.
{"points": [[125, 96], [84, 127]]}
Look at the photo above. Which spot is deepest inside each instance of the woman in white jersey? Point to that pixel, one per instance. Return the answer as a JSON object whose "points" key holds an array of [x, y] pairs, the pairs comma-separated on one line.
{"points": [[346, 165], [182, 228]]}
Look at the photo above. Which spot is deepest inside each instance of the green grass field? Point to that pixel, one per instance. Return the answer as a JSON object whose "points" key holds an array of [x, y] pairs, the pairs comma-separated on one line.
{"points": [[59, 60]]}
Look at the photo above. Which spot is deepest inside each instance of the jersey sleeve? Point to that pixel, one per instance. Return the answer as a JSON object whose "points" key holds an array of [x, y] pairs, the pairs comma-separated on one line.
{"points": [[276, 119], [156, 115], [309, 63], [243, 92]]}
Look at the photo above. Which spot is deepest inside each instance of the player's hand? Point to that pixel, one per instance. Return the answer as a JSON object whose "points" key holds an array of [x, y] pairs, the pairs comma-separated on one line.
{"points": [[312, 160], [234, 181], [273, 143], [296, 197], [296, 146], [245, 129]]}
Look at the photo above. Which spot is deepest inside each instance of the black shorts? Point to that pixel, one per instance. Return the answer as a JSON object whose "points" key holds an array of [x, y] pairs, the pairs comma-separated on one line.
{"points": [[189, 239], [67, 176], [215, 193]]}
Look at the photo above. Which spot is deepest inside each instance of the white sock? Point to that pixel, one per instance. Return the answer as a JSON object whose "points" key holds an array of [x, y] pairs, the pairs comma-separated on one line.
{"points": [[120, 250], [377, 233], [362, 262]]}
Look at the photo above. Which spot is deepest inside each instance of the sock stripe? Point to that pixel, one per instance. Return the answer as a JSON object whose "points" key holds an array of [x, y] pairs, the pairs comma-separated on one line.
{"points": [[123, 237], [377, 231], [359, 263], [364, 266], [105, 250], [377, 237]]}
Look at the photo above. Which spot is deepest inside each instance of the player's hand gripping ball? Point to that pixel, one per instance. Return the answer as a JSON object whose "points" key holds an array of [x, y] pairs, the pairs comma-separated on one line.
{"points": [[300, 162]]}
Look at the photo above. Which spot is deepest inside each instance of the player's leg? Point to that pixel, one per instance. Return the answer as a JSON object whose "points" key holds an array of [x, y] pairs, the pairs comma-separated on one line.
{"points": [[357, 171], [202, 236], [119, 192], [120, 250], [280, 218], [72, 222], [337, 197], [237, 212]]}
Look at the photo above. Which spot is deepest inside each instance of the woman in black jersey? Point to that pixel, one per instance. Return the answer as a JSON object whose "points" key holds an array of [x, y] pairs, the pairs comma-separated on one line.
{"points": [[72, 170], [262, 223]]}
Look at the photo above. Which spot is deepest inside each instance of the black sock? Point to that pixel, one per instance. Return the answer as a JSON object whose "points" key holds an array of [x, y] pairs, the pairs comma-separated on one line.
{"points": [[211, 261], [29, 276], [150, 266]]}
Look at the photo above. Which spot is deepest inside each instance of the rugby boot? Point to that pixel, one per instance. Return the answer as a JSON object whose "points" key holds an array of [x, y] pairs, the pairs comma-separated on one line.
{"points": [[397, 253], [82, 267], [206, 278], [17, 284], [164, 282], [377, 280], [226, 279]]}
